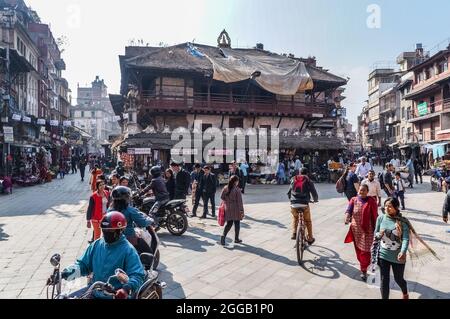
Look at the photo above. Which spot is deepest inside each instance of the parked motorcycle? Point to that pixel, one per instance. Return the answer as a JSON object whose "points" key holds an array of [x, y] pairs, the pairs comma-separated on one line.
{"points": [[172, 215], [151, 289]]}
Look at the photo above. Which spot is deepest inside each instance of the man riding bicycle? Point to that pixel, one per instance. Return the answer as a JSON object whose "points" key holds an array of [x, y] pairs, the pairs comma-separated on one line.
{"points": [[300, 193]]}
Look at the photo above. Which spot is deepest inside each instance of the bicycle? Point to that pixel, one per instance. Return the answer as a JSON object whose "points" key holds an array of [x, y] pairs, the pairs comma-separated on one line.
{"points": [[301, 240]]}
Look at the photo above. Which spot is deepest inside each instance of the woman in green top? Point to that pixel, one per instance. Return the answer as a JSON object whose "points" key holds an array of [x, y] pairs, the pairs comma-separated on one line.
{"points": [[392, 232]]}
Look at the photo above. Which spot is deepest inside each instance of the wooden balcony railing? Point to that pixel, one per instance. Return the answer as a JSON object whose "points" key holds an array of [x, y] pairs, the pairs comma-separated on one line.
{"points": [[234, 104]]}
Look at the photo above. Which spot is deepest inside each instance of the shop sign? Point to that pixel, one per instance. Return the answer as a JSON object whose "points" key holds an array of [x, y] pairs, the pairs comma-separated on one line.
{"points": [[8, 133], [41, 121], [184, 151], [226, 152], [26, 119], [16, 117], [142, 151], [422, 108], [67, 123], [54, 123]]}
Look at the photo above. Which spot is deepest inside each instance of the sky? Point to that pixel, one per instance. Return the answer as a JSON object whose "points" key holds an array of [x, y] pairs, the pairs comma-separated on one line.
{"points": [[347, 37]]}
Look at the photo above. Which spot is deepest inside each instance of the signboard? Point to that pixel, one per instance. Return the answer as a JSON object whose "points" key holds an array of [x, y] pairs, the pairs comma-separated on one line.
{"points": [[41, 121], [221, 152], [67, 123], [16, 117], [422, 108], [142, 151], [8, 133], [184, 151], [26, 119], [54, 123]]}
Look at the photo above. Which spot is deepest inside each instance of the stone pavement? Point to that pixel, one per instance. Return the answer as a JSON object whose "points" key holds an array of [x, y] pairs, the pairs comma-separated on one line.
{"points": [[37, 222]]}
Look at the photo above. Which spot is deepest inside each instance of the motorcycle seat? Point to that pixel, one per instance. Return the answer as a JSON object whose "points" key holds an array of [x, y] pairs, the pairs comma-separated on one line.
{"points": [[149, 200], [175, 203]]}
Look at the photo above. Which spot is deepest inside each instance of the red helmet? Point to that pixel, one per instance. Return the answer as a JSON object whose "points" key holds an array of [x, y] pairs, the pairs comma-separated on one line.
{"points": [[114, 221]]}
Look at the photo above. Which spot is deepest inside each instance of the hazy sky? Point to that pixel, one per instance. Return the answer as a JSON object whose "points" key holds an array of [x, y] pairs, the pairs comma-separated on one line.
{"points": [[335, 31]]}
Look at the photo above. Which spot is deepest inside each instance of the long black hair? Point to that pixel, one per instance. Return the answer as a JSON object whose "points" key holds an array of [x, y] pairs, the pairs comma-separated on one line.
{"points": [[231, 183]]}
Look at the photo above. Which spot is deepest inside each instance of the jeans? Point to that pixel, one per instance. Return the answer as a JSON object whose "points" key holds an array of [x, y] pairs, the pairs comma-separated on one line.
{"points": [[237, 228], [399, 271], [244, 183], [400, 195], [418, 173], [196, 202], [206, 198]]}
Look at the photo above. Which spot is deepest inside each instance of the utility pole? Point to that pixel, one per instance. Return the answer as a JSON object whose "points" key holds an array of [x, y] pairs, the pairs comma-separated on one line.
{"points": [[7, 96]]}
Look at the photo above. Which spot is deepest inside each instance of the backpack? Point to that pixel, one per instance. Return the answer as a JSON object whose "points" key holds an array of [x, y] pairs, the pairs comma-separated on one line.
{"points": [[341, 183]]}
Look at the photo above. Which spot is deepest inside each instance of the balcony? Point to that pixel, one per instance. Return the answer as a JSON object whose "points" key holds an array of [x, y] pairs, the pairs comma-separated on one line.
{"points": [[234, 104]]}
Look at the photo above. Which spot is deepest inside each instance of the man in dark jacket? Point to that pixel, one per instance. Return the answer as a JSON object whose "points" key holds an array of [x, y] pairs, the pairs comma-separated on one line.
{"points": [[82, 166], [208, 188], [196, 178], [418, 169], [74, 164], [120, 170], [182, 180], [300, 194], [159, 189]]}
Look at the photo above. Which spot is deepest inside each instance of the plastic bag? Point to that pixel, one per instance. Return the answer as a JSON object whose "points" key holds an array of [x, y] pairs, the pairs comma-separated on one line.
{"points": [[221, 218], [374, 277]]}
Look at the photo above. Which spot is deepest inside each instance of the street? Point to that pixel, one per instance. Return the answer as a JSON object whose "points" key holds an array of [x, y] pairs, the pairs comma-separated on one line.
{"points": [[39, 221]]}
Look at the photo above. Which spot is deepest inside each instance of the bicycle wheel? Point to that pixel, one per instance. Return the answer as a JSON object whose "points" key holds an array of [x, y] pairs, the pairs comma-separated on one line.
{"points": [[300, 244]]}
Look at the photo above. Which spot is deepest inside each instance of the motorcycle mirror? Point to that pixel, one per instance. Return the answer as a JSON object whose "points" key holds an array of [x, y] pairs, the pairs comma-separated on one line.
{"points": [[122, 276], [55, 260]]}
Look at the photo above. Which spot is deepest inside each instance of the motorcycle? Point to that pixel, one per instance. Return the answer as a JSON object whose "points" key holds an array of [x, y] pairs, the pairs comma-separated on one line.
{"points": [[151, 238], [151, 289], [172, 215]]}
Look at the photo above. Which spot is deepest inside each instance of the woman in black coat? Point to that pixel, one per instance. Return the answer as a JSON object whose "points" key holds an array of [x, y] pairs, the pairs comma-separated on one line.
{"points": [[170, 183]]}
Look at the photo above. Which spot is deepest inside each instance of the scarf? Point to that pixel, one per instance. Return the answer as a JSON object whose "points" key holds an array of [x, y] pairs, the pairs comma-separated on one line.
{"points": [[419, 251]]}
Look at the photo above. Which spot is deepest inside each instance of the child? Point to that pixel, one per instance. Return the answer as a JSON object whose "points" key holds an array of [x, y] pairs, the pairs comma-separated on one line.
{"points": [[399, 189]]}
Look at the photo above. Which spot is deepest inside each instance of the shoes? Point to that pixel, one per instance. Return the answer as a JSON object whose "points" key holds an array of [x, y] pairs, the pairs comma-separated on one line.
{"points": [[364, 276], [406, 297], [312, 241], [222, 241], [238, 241], [214, 216], [204, 217], [294, 236]]}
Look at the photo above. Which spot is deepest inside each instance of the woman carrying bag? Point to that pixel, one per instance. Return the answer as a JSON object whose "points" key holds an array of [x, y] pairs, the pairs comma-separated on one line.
{"points": [[234, 209]]}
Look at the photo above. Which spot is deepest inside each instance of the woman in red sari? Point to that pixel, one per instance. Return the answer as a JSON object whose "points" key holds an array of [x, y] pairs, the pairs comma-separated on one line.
{"points": [[362, 214]]}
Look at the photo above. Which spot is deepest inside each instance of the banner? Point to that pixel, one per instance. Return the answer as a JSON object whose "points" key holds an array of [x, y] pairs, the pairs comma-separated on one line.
{"points": [[26, 119], [16, 117], [8, 133], [41, 121], [67, 123], [54, 123]]}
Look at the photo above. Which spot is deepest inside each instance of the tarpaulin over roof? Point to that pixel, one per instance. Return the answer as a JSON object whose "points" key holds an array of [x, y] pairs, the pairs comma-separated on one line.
{"points": [[276, 74]]}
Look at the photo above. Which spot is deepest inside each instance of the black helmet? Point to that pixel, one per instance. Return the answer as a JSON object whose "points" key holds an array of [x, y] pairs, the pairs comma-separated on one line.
{"points": [[121, 193], [156, 171]]}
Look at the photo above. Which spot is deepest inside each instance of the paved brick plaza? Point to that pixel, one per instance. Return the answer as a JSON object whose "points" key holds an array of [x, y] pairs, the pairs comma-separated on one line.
{"points": [[39, 221]]}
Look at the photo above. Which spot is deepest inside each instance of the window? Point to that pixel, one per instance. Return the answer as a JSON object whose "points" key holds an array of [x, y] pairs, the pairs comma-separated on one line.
{"points": [[236, 123], [82, 113], [205, 127], [93, 114], [443, 66]]}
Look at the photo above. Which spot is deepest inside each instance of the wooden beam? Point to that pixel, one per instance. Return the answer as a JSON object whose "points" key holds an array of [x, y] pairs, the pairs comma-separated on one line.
{"points": [[223, 119], [254, 121], [279, 122]]}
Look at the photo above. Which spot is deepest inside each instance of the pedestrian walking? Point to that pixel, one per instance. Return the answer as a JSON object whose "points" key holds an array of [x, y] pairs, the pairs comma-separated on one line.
{"points": [[196, 193], [411, 172], [362, 214], [235, 171], [208, 188], [62, 168], [234, 209], [94, 174], [351, 181], [363, 169], [82, 166], [74, 163], [388, 180], [182, 180], [399, 189], [98, 206], [374, 187], [418, 170], [170, 183], [281, 173], [244, 167]]}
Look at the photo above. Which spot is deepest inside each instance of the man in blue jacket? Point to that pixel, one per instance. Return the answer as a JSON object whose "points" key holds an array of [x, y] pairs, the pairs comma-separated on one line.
{"points": [[107, 254]]}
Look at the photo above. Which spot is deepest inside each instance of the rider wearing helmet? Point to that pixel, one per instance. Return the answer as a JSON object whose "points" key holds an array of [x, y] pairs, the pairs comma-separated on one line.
{"points": [[158, 186], [121, 198], [120, 170], [107, 254]]}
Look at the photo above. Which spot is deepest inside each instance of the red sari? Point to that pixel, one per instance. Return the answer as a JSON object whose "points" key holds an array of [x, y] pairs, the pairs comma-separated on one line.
{"points": [[364, 214]]}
